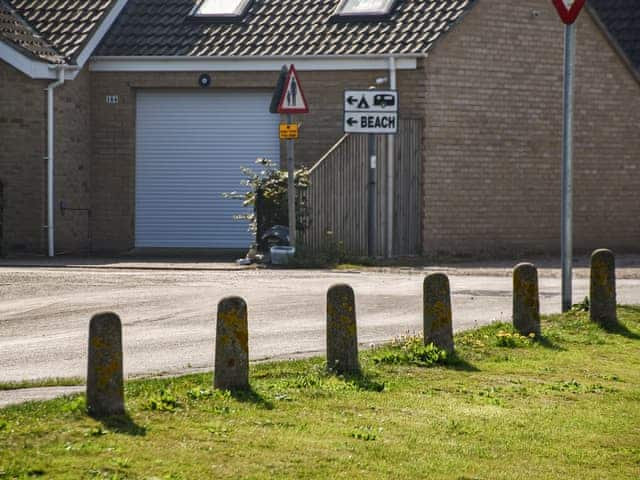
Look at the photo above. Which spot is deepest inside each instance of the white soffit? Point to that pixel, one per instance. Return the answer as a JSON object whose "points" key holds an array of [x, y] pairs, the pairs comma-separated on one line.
{"points": [[247, 64]]}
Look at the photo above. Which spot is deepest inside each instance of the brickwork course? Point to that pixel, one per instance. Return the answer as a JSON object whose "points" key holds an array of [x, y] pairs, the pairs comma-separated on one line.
{"points": [[489, 91]]}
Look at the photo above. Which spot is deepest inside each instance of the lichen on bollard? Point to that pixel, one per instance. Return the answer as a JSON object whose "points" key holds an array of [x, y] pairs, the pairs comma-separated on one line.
{"points": [[437, 317], [232, 345], [526, 300], [342, 337], [105, 380], [603, 288]]}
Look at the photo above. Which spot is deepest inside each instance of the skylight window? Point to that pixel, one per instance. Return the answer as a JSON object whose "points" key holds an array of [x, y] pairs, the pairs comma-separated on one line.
{"points": [[365, 8], [223, 9]]}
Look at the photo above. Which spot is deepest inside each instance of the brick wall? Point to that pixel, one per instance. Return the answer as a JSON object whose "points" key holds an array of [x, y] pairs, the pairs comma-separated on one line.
{"points": [[113, 131], [493, 136], [73, 160], [22, 167]]}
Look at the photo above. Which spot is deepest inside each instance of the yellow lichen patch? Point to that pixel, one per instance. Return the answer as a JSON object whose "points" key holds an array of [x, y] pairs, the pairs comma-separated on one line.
{"points": [[235, 324], [441, 315], [107, 372]]}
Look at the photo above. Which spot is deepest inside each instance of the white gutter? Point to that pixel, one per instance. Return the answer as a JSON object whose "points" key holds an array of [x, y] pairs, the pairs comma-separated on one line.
{"points": [[51, 158], [391, 145]]}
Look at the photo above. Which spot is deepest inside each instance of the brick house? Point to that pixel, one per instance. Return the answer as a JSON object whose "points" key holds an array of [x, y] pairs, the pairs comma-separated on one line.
{"points": [[141, 152]]}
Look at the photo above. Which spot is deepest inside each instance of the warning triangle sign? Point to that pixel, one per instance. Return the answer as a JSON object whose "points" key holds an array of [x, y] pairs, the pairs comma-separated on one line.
{"points": [[293, 99], [569, 9]]}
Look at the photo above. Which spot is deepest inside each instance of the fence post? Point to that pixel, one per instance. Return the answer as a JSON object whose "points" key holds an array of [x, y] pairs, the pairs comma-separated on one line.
{"points": [[526, 300], [105, 383], [232, 345], [437, 318], [342, 338], [603, 288]]}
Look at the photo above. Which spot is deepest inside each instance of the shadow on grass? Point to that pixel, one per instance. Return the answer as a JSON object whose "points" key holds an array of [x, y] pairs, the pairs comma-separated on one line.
{"points": [[251, 396], [364, 382], [547, 343], [123, 424], [456, 362], [621, 329]]}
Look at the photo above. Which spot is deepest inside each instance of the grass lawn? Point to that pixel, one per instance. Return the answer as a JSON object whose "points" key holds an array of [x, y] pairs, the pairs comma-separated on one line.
{"points": [[567, 407]]}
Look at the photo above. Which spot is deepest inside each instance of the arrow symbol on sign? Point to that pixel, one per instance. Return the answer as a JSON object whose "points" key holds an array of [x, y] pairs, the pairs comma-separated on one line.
{"points": [[352, 100], [351, 122]]}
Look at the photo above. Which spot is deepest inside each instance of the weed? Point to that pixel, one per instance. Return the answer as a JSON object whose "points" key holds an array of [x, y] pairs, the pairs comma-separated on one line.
{"points": [[413, 352], [200, 393], [96, 432], [366, 433], [507, 339], [76, 405], [165, 401]]}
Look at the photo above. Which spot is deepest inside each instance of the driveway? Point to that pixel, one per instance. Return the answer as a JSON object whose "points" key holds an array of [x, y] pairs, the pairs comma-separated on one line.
{"points": [[169, 314]]}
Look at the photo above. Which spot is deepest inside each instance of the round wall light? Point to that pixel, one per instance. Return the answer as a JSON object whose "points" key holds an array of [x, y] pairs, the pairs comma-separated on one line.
{"points": [[204, 81]]}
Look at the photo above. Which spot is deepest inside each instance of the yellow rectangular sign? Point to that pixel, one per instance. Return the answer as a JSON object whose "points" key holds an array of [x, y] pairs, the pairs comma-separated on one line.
{"points": [[288, 131]]}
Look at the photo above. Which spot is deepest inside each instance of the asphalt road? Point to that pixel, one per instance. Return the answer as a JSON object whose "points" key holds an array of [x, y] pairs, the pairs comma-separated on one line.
{"points": [[169, 315]]}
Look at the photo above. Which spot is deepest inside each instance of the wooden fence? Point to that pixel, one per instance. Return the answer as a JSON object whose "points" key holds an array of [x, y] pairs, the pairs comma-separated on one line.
{"points": [[337, 196]]}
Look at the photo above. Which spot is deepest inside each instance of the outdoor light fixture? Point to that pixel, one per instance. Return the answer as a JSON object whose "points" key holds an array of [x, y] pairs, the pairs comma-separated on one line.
{"points": [[205, 80]]}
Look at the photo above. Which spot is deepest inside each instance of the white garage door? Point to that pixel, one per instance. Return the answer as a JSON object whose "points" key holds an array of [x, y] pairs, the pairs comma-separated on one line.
{"points": [[189, 148]]}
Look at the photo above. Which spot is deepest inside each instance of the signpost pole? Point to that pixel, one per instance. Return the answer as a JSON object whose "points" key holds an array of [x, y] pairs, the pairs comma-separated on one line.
{"points": [[567, 168], [291, 187], [372, 196]]}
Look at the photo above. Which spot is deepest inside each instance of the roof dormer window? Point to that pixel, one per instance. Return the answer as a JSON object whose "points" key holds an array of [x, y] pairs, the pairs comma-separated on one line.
{"points": [[365, 8], [221, 10]]}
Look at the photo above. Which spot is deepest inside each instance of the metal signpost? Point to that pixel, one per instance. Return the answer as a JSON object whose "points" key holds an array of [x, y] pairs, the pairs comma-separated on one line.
{"points": [[568, 11], [289, 99], [373, 112]]}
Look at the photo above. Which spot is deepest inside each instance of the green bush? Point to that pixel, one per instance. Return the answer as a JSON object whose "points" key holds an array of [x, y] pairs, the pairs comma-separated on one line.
{"points": [[271, 182]]}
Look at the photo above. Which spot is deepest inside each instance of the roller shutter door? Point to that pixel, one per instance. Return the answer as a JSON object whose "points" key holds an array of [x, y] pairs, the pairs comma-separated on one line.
{"points": [[189, 150]]}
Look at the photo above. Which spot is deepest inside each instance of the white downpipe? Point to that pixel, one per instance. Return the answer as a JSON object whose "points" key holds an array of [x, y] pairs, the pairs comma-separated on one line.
{"points": [[390, 167], [51, 160]]}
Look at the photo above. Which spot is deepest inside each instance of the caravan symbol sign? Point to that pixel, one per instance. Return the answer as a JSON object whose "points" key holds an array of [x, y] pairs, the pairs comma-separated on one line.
{"points": [[371, 111]]}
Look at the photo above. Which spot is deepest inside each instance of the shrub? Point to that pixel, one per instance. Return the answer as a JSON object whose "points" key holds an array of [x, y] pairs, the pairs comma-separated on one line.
{"points": [[268, 192]]}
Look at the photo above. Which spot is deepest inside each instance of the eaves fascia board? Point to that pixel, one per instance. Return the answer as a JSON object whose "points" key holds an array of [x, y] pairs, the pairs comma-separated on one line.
{"points": [[251, 63], [96, 37], [36, 69]]}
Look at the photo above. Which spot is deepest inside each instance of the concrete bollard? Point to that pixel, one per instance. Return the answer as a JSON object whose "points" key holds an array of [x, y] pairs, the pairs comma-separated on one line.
{"points": [[105, 380], [526, 300], [232, 345], [342, 337], [437, 318], [603, 288]]}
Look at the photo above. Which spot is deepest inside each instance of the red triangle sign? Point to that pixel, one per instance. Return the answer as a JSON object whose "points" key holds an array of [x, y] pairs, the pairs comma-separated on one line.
{"points": [[293, 99], [568, 9]]}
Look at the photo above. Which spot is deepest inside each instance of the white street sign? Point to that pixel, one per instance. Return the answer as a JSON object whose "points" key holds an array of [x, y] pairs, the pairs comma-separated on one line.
{"points": [[373, 122], [371, 111]]}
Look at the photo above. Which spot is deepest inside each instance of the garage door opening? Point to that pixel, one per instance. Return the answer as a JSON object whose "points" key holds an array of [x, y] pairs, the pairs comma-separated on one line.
{"points": [[190, 147]]}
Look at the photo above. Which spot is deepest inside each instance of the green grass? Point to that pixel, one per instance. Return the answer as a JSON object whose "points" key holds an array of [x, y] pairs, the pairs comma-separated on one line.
{"points": [[504, 407], [45, 382]]}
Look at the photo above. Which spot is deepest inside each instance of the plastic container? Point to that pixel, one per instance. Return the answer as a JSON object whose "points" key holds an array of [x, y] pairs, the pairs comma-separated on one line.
{"points": [[282, 255]]}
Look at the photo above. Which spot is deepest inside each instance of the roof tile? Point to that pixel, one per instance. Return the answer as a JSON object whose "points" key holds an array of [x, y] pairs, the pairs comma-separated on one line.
{"points": [[278, 28]]}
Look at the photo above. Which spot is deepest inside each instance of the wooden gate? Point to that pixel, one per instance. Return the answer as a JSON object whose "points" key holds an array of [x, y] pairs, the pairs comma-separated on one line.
{"points": [[337, 196]]}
